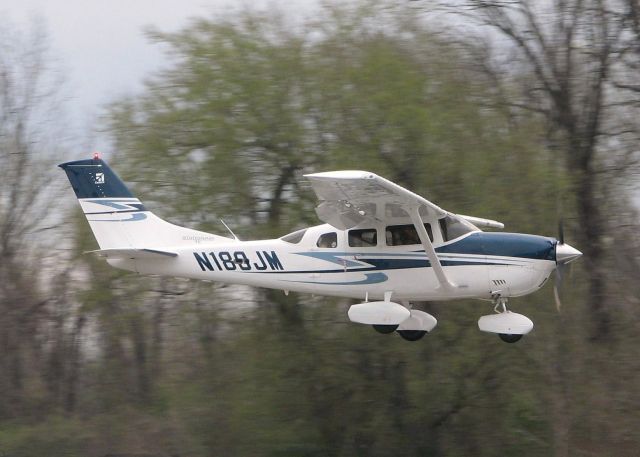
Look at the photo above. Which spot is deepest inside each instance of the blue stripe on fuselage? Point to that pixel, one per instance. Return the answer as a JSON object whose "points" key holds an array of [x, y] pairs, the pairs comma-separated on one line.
{"points": [[504, 245], [487, 245], [370, 278], [395, 264]]}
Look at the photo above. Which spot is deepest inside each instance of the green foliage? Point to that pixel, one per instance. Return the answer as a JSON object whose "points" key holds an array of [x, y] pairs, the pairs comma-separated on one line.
{"points": [[248, 105], [245, 106]]}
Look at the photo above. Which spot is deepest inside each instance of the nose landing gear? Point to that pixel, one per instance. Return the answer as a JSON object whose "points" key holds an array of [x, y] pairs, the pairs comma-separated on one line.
{"points": [[509, 326]]}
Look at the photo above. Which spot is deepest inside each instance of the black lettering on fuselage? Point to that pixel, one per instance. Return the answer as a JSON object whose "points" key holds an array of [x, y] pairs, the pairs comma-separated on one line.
{"points": [[273, 260], [263, 265], [213, 256], [203, 261], [225, 260], [241, 259]]}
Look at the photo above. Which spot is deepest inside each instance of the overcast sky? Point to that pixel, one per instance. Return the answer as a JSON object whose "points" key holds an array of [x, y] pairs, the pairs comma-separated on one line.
{"points": [[101, 44]]}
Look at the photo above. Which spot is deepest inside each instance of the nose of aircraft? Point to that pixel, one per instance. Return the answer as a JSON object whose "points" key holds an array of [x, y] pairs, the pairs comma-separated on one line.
{"points": [[566, 253]]}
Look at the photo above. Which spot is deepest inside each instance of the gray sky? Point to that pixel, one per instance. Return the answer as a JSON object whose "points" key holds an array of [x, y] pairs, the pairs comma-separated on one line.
{"points": [[102, 46]]}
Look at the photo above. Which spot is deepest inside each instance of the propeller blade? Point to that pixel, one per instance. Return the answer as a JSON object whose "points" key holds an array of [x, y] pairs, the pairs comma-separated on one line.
{"points": [[565, 254], [556, 295], [561, 231], [557, 286]]}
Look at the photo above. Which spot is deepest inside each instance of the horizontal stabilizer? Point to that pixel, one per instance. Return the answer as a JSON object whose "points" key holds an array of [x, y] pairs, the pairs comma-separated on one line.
{"points": [[145, 254]]}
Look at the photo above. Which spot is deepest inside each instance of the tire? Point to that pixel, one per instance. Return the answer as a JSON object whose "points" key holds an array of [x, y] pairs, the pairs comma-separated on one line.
{"points": [[509, 338], [412, 335], [384, 329]]}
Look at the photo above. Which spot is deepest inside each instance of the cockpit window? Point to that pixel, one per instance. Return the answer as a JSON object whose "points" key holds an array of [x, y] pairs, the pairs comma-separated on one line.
{"points": [[363, 238], [453, 228], [400, 235], [294, 237], [328, 240]]}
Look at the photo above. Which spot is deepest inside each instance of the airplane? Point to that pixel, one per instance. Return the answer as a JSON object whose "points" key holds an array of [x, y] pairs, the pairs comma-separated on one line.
{"points": [[380, 244]]}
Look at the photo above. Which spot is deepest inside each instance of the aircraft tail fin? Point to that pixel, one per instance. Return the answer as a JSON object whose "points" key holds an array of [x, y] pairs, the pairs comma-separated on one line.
{"points": [[118, 219]]}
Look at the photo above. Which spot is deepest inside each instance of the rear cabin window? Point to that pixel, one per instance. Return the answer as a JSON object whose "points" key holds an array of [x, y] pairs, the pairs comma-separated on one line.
{"points": [[363, 238], [401, 235], [294, 237], [328, 240], [453, 228]]}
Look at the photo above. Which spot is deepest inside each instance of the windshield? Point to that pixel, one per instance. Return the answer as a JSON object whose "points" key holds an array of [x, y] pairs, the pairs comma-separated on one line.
{"points": [[455, 227], [294, 237]]}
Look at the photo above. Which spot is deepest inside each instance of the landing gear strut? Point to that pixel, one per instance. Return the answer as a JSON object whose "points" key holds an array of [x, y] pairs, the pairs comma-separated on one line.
{"points": [[501, 302]]}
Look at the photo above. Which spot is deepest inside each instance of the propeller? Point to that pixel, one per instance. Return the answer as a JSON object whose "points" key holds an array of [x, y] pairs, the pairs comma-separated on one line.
{"points": [[558, 285], [565, 254], [561, 231]]}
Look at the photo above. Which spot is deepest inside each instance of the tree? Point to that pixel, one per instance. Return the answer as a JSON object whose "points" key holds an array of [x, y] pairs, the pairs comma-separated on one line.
{"points": [[29, 94], [247, 105], [571, 48]]}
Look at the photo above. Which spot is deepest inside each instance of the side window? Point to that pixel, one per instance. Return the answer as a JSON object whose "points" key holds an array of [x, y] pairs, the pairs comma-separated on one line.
{"points": [[400, 235], [363, 238], [328, 240]]}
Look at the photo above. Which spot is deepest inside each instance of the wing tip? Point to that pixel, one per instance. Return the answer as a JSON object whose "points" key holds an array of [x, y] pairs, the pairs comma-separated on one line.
{"points": [[481, 222], [341, 174]]}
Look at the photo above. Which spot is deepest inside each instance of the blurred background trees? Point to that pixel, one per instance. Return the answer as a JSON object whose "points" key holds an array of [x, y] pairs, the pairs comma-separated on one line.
{"points": [[31, 323], [528, 117]]}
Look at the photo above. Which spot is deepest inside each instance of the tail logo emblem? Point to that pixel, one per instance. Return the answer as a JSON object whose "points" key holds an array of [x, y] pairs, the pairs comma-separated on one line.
{"points": [[99, 179]]}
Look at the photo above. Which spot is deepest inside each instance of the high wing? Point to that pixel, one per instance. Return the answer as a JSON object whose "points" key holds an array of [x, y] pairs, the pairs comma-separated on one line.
{"points": [[349, 198]]}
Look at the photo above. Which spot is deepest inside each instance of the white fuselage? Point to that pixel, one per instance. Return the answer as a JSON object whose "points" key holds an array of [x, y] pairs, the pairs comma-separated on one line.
{"points": [[479, 264]]}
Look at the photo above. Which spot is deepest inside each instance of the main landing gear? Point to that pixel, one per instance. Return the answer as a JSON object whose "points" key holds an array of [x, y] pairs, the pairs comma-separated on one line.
{"points": [[387, 317], [412, 325], [384, 329], [414, 328], [509, 326], [408, 335], [509, 337], [412, 335]]}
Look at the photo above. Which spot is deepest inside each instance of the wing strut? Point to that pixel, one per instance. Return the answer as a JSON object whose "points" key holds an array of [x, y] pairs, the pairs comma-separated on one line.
{"points": [[428, 248]]}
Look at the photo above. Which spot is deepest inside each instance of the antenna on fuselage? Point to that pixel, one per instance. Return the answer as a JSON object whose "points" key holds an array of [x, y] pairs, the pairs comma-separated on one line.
{"points": [[230, 231]]}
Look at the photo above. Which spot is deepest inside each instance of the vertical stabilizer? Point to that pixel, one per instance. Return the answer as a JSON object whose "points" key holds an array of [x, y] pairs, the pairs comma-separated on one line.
{"points": [[118, 219]]}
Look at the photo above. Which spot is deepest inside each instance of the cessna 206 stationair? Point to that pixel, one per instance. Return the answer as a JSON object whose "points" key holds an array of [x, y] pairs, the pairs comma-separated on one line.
{"points": [[380, 243]]}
